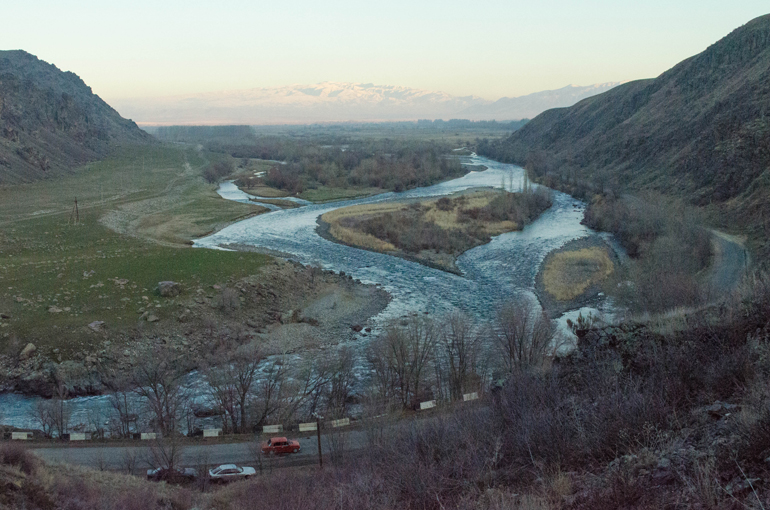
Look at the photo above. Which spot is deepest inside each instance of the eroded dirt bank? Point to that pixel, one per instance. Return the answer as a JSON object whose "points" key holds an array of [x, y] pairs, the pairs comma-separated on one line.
{"points": [[284, 307]]}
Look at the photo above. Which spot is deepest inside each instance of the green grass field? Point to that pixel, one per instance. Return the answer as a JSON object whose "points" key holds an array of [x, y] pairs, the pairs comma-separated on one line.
{"points": [[56, 276], [324, 194]]}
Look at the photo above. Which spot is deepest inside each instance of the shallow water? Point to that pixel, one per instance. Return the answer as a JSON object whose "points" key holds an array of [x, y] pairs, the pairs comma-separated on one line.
{"points": [[492, 273]]}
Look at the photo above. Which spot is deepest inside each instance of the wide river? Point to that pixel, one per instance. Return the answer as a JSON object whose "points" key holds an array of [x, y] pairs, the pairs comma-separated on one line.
{"points": [[494, 273]]}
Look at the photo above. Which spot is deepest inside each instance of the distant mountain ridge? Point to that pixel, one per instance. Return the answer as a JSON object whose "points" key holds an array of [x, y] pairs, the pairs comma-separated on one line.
{"points": [[700, 130], [531, 105], [340, 102], [51, 121]]}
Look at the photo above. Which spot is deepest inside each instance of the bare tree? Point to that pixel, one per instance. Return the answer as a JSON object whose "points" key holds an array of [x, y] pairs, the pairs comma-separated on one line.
{"points": [[400, 359], [123, 404], [129, 460], [336, 440], [523, 336], [42, 415], [232, 381], [459, 341], [60, 412], [157, 377], [269, 393], [166, 452], [309, 384], [341, 382]]}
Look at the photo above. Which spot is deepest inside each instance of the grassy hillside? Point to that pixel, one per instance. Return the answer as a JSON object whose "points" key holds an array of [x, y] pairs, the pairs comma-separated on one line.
{"points": [[698, 131], [51, 122]]}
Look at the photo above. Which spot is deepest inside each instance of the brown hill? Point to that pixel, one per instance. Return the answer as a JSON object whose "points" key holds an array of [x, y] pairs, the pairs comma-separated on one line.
{"points": [[51, 122], [700, 131]]}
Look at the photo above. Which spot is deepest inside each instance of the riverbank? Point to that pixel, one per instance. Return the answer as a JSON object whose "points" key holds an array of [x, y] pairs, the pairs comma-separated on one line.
{"points": [[280, 308], [571, 277]]}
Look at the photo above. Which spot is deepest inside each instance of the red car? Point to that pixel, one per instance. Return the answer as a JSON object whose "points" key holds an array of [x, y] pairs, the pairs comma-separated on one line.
{"points": [[280, 446]]}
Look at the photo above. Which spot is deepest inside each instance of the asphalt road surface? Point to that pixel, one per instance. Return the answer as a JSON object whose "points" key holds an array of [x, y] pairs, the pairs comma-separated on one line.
{"points": [[142, 456]]}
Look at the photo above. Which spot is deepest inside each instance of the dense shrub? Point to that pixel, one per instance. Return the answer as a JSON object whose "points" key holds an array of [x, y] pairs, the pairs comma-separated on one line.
{"points": [[669, 246], [216, 171], [16, 454]]}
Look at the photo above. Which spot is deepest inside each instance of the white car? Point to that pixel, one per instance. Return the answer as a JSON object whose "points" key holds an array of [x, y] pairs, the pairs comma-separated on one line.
{"points": [[227, 472]]}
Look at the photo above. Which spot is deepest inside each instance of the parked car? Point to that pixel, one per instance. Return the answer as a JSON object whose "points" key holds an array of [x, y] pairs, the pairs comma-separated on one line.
{"points": [[176, 475], [228, 472], [280, 446]]}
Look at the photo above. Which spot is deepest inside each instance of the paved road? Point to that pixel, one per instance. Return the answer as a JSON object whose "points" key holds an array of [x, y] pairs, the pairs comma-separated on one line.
{"points": [[731, 260], [116, 458]]}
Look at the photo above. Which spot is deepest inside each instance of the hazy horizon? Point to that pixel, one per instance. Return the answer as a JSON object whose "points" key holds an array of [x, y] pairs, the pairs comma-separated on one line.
{"points": [[334, 102]]}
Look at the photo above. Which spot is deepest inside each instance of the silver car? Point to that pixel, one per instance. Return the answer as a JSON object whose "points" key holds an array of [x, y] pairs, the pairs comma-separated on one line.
{"points": [[227, 472]]}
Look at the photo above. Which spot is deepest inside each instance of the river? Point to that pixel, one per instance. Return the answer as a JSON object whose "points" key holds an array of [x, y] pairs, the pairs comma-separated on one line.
{"points": [[493, 274]]}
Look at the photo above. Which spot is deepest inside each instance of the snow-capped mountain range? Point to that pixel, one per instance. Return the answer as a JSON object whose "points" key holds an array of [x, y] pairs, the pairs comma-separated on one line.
{"points": [[340, 102]]}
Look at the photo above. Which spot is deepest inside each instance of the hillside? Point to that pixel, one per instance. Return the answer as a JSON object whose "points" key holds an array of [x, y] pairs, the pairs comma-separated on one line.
{"points": [[697, 131], [50, 121]]}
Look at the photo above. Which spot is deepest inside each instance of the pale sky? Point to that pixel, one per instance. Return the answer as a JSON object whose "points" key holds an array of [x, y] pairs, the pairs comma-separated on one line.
{"points": [[491, 48]]}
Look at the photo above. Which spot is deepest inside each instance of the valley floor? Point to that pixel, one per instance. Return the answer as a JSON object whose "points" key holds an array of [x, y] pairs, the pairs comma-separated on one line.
{"points": [[80, 286]]}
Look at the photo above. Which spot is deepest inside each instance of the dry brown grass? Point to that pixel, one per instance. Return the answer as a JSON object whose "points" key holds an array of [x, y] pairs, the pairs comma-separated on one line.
{"points": [[355, 237], [570, 273]]}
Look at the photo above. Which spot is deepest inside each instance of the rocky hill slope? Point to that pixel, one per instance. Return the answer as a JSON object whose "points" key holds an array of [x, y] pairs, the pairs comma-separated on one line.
{"points": [[700, 131], [50, 121]]}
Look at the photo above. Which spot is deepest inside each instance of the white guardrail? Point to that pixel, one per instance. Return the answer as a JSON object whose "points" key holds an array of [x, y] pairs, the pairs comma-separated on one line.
{"points": [[267, 429], [272, 429]]}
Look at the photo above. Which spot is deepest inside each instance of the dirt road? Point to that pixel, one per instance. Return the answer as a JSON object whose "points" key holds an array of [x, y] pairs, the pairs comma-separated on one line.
{"points": [[731, 260]]}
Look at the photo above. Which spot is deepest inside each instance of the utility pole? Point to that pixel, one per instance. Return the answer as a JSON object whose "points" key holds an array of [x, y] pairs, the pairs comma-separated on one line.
{"points": [[318, 419], [75, 216]]}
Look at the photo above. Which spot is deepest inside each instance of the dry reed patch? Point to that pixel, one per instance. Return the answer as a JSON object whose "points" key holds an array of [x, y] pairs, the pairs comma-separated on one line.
{"points": [[349, 234], [568, 274], [359, 239]]}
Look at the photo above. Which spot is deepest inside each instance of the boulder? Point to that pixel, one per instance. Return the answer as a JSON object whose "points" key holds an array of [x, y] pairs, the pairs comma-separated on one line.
{"points": [[54, 309], [663, 474], [721, 409], [27, 351], [97, 326], [152, 318], [169, 289]]}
